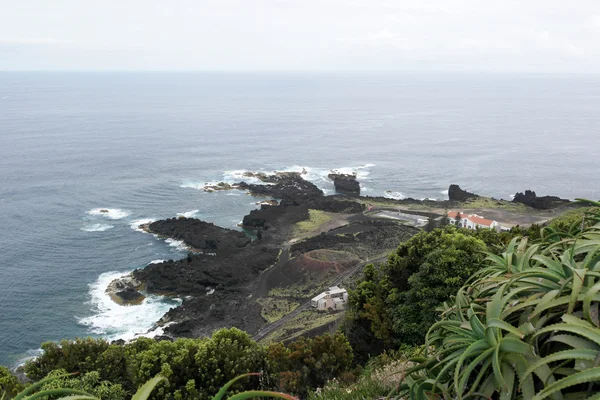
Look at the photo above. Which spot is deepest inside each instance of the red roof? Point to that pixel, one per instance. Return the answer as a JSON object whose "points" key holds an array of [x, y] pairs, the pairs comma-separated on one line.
{"points": [[476, 219]]}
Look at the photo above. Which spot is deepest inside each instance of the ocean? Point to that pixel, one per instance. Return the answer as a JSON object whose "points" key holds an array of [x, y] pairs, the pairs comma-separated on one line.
{"points": [[143, 144]]}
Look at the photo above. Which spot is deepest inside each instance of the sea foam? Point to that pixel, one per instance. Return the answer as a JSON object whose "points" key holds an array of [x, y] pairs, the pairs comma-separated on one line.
{"points": [[114, 321], [177, 244], [393, 195], [110, 213], [135, 225], [188, 214], [96, 227]]}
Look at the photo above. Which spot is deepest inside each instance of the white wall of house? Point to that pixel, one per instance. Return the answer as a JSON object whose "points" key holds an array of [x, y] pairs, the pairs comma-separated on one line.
{"points": [[467, 223], [335, 298]]}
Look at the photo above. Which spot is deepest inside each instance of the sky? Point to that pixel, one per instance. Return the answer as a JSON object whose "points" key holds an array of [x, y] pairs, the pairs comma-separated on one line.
{"points": [[301, 35]]}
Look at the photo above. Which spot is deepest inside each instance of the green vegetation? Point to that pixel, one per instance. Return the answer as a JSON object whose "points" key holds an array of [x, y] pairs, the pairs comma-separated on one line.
{"points": [[273, 309], [302, 323], [395, 303], [9, 384], [316, 219], [192, 368], [453, 313], [487, 202], [309, 363], [53, 386], [526, 326]]}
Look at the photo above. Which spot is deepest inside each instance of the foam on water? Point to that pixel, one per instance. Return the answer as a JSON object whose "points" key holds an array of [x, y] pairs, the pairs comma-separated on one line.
{"points": [[177, 244], [114, 321], [393, 195], [192, 185], [110, 213], [135, 225], [96, 227], [188, 214], [156, 261], [318, 176]]}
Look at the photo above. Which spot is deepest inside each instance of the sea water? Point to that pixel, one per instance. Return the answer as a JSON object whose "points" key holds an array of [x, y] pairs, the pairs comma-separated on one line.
{"points": [[85, 158]]}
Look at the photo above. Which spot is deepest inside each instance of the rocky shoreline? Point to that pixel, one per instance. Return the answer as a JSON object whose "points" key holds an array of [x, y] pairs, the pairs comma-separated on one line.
{"points": [[220, 277]]}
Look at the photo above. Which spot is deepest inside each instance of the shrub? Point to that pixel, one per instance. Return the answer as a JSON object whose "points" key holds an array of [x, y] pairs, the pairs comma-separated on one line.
{"points": [[526, 326]]}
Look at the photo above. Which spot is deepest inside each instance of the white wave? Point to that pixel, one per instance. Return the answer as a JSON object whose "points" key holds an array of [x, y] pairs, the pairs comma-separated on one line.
{"points": [[115, 321], [318, 176], [393, 195], [177, 244], [156, 261], [192, 185], [156, 331], [29, 355], [135, 225], [110, 213], [188, 214], [96, 227]]}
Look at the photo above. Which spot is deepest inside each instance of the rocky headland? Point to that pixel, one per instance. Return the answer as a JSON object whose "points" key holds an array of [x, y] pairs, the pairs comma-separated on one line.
{"points": [[228, 275]]}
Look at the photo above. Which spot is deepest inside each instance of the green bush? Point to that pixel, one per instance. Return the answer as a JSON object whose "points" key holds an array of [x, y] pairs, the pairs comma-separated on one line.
{"points": [[525, 327], [194, 368], [308, 363], [395, 303], [9, 384]]}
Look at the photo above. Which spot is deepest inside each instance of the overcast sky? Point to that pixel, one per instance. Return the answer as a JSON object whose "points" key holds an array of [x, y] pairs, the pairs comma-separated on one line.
{"points": [[485, 35]]}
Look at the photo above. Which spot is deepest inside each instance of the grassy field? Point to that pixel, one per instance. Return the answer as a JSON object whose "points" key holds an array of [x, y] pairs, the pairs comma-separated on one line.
{"points": [[303, 322], [316, 219], [486, 202], [481, 202], [273, 309]]}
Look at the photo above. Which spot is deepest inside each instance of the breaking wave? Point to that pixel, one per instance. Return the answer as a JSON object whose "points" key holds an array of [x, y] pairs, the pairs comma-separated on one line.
{"points": [[114, 321], [96, 227], [110, 213], [188, 214]]}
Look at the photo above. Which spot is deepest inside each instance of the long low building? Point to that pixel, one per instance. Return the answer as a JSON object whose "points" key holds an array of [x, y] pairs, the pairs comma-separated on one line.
{"points": [[334, 298], [471, 221]]}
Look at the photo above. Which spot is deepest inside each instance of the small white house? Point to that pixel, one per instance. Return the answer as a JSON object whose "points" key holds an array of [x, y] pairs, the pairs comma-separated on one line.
{"points": [[334, 298], [471, 221]]}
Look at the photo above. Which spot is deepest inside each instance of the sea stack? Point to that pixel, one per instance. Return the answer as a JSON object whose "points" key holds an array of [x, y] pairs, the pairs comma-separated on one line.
{"points": [[455, 193], [345, 183]]}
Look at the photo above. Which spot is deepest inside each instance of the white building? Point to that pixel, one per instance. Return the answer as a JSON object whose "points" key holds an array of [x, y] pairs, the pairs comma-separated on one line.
{"points": [[471, 221], [334, 298]]}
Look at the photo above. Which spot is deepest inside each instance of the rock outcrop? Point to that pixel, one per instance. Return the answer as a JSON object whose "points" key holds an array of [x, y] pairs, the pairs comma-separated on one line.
{"points": [[455, 193], [199, 235], [530, 199], [345, 183], [125, 291]]}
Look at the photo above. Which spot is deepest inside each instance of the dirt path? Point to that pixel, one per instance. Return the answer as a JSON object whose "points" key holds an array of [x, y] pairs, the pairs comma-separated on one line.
{"points": [[266, 278]]}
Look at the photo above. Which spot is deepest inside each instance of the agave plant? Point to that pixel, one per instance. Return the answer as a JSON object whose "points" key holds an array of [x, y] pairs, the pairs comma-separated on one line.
{"points": [[525, 327], [142, 393]]}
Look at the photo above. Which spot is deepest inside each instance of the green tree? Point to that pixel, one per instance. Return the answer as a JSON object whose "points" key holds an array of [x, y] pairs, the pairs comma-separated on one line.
{"points": [[526, 326], [89, 382], [9, 384], [396, 303]]}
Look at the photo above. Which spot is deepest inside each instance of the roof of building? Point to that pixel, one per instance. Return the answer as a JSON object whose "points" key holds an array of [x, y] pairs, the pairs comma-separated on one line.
{"points": [[332, 290], [474, 218], [319, 297]]}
